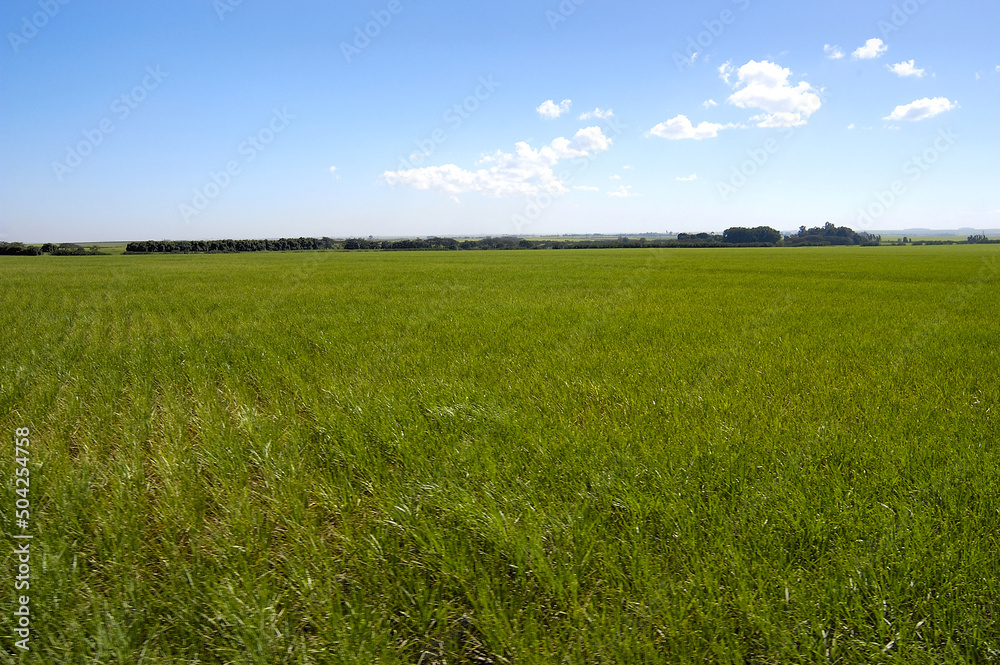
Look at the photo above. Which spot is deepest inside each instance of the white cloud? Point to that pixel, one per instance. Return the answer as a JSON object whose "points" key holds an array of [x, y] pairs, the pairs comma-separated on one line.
{"points": [[764, 85], [616, 177], [689, 178], [851, 126], [624, 192], [906, 69], [998, 68], [550, 110], [872, 49], [922, 109], [527, 172], [627, 167], [585, 188], [680, 127], [726, 70], [833, 52], [709, 104], [597, 113], [333, 172]]}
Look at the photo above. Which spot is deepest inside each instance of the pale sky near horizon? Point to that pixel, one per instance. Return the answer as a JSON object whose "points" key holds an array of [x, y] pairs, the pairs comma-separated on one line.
{"points": [[227, 118]]}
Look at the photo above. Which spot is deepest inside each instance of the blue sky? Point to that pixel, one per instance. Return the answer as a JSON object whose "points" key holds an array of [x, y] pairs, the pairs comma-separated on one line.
{"points": [[207, 119]]}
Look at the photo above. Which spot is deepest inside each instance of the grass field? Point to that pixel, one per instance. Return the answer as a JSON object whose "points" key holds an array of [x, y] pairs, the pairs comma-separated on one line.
{"points": [[623, 456]]}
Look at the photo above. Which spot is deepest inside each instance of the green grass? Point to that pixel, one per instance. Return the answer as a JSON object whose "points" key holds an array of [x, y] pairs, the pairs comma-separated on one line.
{"points": [[624, 456]]}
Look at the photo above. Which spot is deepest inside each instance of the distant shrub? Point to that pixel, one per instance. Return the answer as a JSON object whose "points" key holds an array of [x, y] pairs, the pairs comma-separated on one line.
{"points": [[18, 249]]}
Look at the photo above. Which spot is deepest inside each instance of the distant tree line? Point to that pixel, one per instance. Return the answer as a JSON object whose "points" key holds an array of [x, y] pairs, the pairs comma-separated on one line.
{"points": [[431, 244], [404, 244], [70, 249], [982, 240], [760, 236], [18, 249], [830, 234], [64, 249], [737, 236], [228, 245]]}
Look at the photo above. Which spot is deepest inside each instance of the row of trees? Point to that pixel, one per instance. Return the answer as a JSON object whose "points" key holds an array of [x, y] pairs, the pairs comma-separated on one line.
{"points": [[755, 236], [405, 244], [70, 249], [765, 236], [760, 236], [18, 249], [737, 236], [982, 240], [229, 245], [830, 234], [64, 249]]}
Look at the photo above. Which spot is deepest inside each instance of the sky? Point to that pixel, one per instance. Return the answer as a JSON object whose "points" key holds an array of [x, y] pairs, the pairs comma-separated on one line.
{"points": [[252, 118]]}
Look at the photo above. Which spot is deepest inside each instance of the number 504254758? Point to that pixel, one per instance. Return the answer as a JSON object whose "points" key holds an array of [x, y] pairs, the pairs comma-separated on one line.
{"points": [[22, 454]]}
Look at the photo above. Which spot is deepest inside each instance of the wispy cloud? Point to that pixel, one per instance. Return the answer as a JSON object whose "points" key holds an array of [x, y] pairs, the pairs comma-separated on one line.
{"points": [[624, 192], [550, 110], [726, 70], [688, 178], [907, 68], [709, 103], [333, 172], [597, 113], [833, 52], [526, 172], [922, 109], [680, 128]]}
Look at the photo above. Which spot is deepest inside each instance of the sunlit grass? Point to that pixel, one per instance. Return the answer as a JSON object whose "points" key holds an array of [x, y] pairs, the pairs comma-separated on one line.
{"points": [[614, 456]]}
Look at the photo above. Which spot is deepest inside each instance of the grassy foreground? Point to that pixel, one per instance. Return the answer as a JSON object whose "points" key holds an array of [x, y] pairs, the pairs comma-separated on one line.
{"points": [[625, 456]]}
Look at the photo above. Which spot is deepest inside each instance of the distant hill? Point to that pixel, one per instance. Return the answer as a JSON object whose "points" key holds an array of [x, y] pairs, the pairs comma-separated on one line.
{"points": [[959, 233]]}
